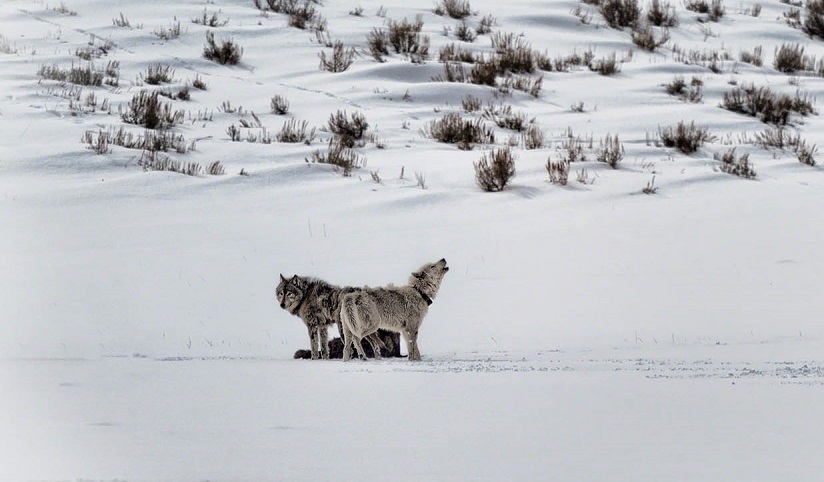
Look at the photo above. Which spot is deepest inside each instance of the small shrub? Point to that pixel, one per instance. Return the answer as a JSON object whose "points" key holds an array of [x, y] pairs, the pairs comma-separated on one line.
{"points": [[574, 150], [148, 110], [494, 170], [378, 44], [170, 33], [687, 138], [341, 59], [506, 118], [209, 21], [530, 85], [806, 154], [754, 58], [159, 73], [153, 161], [87, 75], [233, 132], [452, 129], [484, 72], [645, 38], [279, 105], [606, 66], [662, 15], [485, 25], [558, 171], [814, 20], [455, 53], [470, 103], [790, 58], [513, 53], [716, 11], [533, 137], [464, 33], [294, 132], [100, 143], [226, 52], [216, 169], [650, 188], [698, 6], [338, 155], [610, 151], [198, 83], [405, 38], [458, 9], [620, 13], [348, 129], [678, 87], [121, 22], [766, 105], [736, 165]]}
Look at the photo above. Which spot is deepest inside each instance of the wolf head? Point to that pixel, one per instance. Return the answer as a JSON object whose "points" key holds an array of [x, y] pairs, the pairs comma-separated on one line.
{"points": [[428, 278], [290, 293]]}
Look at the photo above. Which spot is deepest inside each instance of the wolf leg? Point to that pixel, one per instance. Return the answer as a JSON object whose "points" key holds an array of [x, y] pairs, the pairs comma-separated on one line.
{"points": [[376, 344], [323, 334], [412, 345], [313, 341]]}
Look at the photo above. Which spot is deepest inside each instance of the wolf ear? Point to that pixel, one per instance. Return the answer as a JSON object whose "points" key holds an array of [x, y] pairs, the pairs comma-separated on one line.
{"points": [[282, 278]]}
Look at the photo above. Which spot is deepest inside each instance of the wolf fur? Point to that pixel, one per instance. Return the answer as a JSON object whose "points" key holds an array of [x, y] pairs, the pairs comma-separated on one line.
{"points": [[395, 308], [318, 304]]}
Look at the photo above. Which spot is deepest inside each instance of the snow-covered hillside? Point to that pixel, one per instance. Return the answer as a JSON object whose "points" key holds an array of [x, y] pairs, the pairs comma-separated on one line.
{"points": [[587, 331]]}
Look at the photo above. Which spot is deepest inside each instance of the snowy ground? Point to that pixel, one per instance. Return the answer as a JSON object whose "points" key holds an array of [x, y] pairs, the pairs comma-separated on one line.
{"points": [[587, 332]]}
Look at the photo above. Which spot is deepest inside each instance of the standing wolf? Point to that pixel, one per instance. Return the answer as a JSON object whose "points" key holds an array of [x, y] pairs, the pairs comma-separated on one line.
{"points": [[395, 308], [317, 303]]}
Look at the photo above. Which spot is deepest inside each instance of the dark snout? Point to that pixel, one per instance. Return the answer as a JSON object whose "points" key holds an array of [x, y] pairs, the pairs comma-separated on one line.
{"points": [[283, 305], [445, 267]]}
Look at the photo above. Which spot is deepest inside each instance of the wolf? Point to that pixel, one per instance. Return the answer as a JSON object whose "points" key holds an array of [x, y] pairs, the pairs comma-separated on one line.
{"points": [[317, 304], [395, 308]]}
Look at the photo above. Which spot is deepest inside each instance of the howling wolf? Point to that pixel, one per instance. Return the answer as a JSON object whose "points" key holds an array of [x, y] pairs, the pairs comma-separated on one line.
{"points": [[317, 304], [395, 308]]}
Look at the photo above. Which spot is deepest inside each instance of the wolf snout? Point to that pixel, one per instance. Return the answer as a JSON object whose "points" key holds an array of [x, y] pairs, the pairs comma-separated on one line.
{"points": [[445, 267], [283, 305]]}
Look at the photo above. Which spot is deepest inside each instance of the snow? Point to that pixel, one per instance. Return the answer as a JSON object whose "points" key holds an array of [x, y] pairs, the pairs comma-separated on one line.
{"points": [[586, 332]]}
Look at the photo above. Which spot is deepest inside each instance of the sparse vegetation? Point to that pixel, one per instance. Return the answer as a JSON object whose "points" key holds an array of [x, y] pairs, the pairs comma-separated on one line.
{"points": [[457, 9], [606, 66], [339, 155], [87, 75], [610, 151], [662, 15], [348, 129], [340, 60], [209, 20], [294, 131], [533, 137], [452, 129], [644, 37], [279, 105], [170, 33], [765, 104], [814, 20], [225, 52], [158, 73], [736, 165], [687, 138], [464, 32], [495, 170], [791, 58], [620, 13], [513, 53], [558, 171], [146, 109], [754, 58], [678, 87]]}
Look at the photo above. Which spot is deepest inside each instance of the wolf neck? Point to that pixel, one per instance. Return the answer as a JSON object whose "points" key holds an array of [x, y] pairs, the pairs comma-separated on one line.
{"points": [[424, 296]]}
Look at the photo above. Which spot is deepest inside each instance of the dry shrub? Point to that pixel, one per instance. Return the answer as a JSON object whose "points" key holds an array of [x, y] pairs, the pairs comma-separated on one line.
{"points": [[736, 165], [452, 129], [610, 151], [495, 169], [340, 60], [224, 52], [148, 110], [687, 138], [338, 155]]}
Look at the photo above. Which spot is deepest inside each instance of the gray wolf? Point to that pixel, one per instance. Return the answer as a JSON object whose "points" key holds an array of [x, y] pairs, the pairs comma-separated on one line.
{"points": [[317, 304], [400, 309]]}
